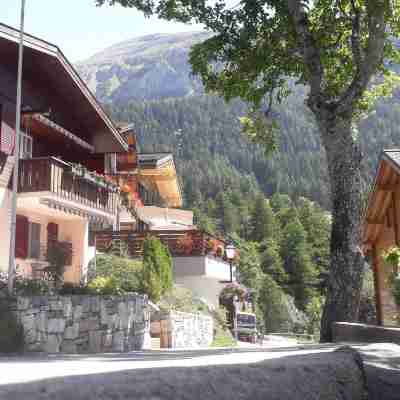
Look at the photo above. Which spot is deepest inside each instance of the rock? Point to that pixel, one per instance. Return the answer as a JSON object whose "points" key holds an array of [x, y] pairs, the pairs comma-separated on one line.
{"points": [[95, 341], [41, 321], [67, 308], [68, 346], [56, 305], [72, 332], [56, 325], [52, 345], [118, 342], [77, 313], [89, 324], [23, 303]]}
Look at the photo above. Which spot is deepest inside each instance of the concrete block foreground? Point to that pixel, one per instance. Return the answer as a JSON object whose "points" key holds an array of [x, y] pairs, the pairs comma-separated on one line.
{"points": [[334, 375]]}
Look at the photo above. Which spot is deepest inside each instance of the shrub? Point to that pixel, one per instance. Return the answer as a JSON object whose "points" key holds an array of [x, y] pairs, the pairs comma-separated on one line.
{"points": [[72, 289], [126, 273], [157, 269], [181, 299], [314, 315], [105, 286], [12, 336], [30, 287]]}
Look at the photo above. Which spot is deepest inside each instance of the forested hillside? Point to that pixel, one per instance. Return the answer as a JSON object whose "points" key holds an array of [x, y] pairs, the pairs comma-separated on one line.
{"points": [[275, 209], [211, 153]]}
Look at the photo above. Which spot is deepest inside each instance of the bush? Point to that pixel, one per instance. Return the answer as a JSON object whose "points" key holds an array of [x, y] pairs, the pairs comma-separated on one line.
{"points": [[105, 286], [71, 289], [11, 333], [182, 299], [157, 269], [30, 287], [314, 315], [124, 272]]}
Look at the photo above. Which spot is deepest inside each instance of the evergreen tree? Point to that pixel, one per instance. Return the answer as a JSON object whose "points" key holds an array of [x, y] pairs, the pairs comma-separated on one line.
{"points": [[272, 263], [157, 269], [262, 220], [297, 263]]}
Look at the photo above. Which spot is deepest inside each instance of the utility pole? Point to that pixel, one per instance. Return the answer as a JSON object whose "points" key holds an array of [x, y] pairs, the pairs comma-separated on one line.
{"points": [[11, 262]]}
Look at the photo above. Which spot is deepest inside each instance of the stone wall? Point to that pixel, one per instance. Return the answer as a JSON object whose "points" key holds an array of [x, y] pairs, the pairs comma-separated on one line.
{"points": [[184, 330], [83, 324], [362, 333]]}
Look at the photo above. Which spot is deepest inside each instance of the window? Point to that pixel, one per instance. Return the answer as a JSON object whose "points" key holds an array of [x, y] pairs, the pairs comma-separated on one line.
{"points": [[110, 163], [34, 240], [25, 146]]}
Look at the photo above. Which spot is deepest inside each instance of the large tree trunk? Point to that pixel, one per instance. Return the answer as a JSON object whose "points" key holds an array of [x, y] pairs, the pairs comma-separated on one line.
{"points": [[346, 263]]}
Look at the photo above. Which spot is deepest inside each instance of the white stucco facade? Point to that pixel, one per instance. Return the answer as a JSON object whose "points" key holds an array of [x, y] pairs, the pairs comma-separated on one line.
{"points": [[71, 228], [204, 276]]}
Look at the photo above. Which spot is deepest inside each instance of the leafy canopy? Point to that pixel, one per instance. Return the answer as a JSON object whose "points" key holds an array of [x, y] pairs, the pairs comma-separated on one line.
{"points": [[334, 46]]}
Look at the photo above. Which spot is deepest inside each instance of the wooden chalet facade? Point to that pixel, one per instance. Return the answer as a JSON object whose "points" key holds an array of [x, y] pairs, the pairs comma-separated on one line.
{"points": [[381, 231]]}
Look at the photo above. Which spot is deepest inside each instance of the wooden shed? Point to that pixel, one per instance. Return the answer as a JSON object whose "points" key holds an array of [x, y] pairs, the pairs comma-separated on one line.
{"points": [[381, 231]]}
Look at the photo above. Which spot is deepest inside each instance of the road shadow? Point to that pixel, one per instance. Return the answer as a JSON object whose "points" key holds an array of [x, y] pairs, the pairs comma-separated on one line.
{"points": [[327, 376]]}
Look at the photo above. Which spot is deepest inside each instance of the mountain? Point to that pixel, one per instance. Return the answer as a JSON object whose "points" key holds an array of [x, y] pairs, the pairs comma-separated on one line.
{"points": [[147, 81], [145, 68]]}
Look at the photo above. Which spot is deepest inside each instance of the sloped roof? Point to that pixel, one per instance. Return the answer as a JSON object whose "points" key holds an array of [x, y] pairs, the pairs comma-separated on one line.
{"points": [[380, 196], [47, 58]]}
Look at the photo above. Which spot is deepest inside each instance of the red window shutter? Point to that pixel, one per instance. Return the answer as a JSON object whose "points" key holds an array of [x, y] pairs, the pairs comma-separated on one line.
{"points": [[52, 232], [21, 237], [7, 133]]}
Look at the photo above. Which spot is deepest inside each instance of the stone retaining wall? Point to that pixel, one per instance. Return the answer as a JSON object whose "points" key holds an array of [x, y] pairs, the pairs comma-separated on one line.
{"points": [[185, 330], [362, 333], [83, 324]]}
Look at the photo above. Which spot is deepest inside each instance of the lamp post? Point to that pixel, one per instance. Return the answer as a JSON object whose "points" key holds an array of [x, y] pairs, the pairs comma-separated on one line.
{"points": [[11, 261], [230, 252], [235, 322]]}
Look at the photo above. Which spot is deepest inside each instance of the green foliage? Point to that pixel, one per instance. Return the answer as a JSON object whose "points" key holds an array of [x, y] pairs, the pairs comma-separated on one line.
{"points": [[181, 299], [58, 255], [264, 225], [69, 288], [392, 256], [272, 263], [314, 314], [157, 268], [30, 287], [12, 335], [105, 285], [297, 263], [396, 290], [272, 301], [126, 272]]}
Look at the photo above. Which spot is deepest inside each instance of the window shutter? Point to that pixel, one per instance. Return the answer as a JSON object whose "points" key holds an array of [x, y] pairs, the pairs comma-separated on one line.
{"points": [[7, 133], [34, 242], [21, 237], [52, 232]]}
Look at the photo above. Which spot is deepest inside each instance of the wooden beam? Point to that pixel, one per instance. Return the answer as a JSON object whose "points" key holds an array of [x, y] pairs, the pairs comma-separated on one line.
{"points": [[377, 286], [388, 187], [374, 221]]}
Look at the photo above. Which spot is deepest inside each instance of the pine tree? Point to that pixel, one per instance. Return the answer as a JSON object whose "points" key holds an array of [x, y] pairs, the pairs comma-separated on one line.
{"points": [[297, 263], [157, 269], [272, 263], [262, 220]]}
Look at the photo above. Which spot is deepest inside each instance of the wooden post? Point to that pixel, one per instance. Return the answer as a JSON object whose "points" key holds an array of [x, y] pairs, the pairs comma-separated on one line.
{"points": [[377, 286]]}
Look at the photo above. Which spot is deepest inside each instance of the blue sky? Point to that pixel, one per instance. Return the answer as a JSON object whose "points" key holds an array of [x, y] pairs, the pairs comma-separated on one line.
{"points": [[79, 28]]}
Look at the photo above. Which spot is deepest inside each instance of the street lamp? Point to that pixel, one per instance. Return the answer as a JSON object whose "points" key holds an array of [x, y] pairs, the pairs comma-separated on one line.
{"points": [[230, 252]]}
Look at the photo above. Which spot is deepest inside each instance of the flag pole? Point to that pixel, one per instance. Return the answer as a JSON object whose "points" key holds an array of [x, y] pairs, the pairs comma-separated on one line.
{"points": [[11, 261]]}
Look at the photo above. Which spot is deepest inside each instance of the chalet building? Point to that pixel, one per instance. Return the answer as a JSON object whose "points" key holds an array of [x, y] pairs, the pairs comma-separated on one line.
{"points": [[64, 130], [381, 231], [82, 181]]}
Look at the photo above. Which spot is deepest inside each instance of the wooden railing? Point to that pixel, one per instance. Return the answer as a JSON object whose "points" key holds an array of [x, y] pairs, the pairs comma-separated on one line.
{"points": [[53, 175], [180, 243]]}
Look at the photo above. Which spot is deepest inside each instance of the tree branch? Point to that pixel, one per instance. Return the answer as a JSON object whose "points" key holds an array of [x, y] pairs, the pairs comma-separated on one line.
{"points": [[366, 66], [310, 52]]}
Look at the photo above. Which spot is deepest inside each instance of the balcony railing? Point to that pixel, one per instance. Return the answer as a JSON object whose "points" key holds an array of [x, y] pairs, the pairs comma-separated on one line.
{"points": [[180, 243], [53, 175]]}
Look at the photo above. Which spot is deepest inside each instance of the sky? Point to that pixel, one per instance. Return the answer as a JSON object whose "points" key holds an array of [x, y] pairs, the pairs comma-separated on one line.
{"points": [[80, 28]]}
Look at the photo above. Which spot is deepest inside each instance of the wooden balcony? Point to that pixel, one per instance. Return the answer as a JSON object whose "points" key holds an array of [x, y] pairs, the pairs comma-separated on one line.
{"points": [[191, 243], [57, 178]]}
